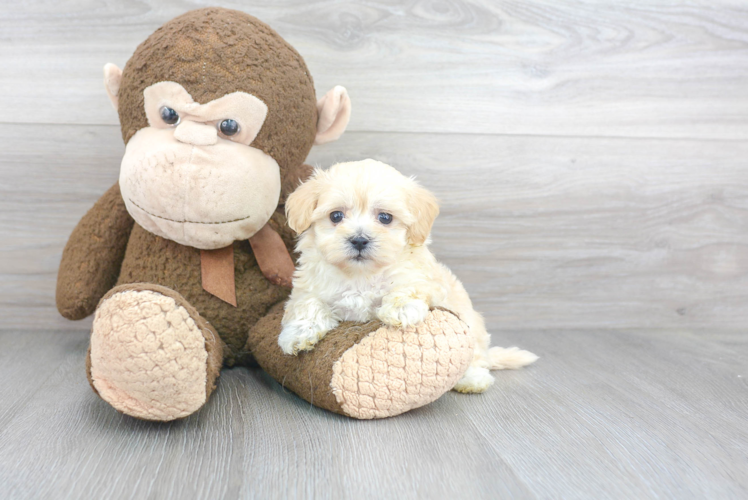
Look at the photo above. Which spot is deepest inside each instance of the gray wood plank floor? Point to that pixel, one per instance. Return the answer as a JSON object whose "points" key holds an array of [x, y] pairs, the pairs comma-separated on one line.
{"points": [[591, 159], [604, 414]]}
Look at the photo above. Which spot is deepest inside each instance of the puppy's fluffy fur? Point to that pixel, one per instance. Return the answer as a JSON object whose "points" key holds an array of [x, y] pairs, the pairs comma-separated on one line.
{"points": [[357, 264]]}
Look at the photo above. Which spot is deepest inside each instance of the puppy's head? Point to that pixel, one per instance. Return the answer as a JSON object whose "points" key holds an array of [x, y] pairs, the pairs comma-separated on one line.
{"points": [[361, 215]]}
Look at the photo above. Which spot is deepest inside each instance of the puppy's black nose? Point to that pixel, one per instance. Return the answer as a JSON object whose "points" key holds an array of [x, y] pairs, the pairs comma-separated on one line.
{"points": [[359, 242]]}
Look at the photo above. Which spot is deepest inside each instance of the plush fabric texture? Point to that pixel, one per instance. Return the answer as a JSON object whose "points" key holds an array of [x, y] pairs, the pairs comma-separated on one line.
{"points": [[152, 259], [177, 192], [369, 370], [212, 52], [107, 248], [394, 370], [293, 179], [308, 374], [334, 110], [272, 256], [151, 354], [247, 110], [112, 80], [92, 256], [198, 134], [217, 273]]}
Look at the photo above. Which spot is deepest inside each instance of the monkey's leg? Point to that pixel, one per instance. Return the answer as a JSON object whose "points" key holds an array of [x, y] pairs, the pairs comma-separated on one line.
{"points": [[152, 356], [369, 370]]}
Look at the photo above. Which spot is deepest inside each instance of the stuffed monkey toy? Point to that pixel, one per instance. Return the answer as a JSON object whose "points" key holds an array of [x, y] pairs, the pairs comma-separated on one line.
{"points": [[186, 261]]}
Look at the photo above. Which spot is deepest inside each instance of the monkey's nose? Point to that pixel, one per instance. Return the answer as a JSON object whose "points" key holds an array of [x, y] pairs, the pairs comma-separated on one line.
{"points": [[197, 134], [359, 242]]}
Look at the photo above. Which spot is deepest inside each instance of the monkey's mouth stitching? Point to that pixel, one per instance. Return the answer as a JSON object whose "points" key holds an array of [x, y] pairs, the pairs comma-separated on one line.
{"points": [[186, 221]]}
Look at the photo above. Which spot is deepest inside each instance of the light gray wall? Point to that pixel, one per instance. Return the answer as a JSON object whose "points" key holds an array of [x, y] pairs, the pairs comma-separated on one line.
{"points": [[590, 156]]}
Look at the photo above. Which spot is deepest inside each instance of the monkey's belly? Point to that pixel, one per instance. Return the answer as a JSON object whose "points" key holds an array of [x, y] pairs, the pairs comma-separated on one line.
{"points": [[152, 259]]}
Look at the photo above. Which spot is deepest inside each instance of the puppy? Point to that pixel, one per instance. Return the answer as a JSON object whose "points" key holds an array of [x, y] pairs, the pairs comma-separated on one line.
{"points": [[364, 230]]}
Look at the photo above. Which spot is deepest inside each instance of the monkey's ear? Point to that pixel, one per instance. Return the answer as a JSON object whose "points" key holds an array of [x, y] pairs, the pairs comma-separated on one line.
{"points": [[300, 205], [333, 111], [112, 79], [424, 207]]}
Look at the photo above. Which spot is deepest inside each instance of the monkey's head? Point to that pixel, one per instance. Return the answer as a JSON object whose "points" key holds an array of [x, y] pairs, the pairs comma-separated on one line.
{"points": [[218, 113]]}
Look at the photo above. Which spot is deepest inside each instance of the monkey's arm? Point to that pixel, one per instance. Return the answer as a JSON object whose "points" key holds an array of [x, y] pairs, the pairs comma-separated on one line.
{"points": [[93, 256]]}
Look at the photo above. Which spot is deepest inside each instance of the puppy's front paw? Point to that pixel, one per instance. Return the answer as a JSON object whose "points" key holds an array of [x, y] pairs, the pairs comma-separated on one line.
{"points": [[302, 335], [475, 380], [403, 312]]}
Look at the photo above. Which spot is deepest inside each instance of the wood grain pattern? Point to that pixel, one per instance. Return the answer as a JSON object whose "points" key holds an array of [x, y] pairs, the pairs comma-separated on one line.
{"points": [[659, 69], [603, 414], [590, 157], [544, 232]]}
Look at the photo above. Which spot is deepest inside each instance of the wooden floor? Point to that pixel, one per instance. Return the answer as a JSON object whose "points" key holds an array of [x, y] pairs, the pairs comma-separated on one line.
{"points": [[604, 414], [592, 163]]}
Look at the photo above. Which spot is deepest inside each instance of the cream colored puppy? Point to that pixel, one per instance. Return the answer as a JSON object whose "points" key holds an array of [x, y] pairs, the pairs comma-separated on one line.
{"points": [[364, 230]]}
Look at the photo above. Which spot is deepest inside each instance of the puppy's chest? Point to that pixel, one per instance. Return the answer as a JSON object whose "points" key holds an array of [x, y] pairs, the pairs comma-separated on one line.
{"points": [[358, 300]]}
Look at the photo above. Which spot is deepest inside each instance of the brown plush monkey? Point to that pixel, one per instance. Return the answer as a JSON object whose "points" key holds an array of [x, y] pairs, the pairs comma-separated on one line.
{"points": [[185, 261]]}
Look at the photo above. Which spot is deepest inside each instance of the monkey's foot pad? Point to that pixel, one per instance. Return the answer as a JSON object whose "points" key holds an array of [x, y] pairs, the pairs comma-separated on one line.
{"points": [[148, 354], [394, 370]]}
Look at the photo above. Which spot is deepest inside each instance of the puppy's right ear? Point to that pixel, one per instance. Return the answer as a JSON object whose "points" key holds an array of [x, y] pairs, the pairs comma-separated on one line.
{"points": [[300, 205]]}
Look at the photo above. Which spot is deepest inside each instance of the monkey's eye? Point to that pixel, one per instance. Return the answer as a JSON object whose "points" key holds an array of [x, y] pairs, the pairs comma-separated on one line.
{"points": [[169, 116], [385, 218], [336, 216], [229, 127]]}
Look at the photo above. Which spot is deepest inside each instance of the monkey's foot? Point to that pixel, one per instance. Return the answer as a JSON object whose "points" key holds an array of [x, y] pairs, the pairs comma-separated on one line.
{"points": [[370, 370], [152, 356]]}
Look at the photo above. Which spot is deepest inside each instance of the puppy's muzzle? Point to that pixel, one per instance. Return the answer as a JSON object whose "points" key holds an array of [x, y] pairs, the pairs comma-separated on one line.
{"points": [[359, 243]]}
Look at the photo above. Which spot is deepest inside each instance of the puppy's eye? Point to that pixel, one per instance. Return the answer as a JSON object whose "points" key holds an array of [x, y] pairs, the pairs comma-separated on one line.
{"points": [[336, 216], [385, 218], [169, 116], [229, 127]]}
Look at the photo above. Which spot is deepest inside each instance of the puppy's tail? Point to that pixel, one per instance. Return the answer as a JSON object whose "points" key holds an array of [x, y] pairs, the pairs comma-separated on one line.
{"points": [[500, 358]]}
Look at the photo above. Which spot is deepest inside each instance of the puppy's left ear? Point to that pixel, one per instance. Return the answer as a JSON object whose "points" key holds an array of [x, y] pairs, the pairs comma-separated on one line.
{"points": [[300, 205], [424, 207]]}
